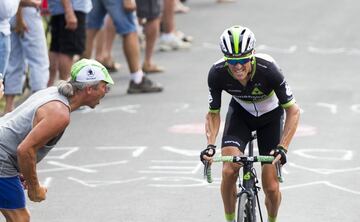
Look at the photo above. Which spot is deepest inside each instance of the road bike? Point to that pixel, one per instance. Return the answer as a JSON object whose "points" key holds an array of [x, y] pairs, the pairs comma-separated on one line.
{"points": [[248, 198]]}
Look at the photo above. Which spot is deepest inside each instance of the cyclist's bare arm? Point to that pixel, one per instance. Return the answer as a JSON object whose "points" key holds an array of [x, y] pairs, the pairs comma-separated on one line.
{"points": [[212, 126], [50, 120], [291, 123]]}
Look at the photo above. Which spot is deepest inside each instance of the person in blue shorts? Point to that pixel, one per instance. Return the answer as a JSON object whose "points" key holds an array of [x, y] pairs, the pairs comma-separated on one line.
{"points": [[29, 132]]}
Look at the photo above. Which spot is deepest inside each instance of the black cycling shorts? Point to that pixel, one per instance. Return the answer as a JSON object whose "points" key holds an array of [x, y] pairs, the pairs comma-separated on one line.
{"points": [[66, 41], [240, 124], [148, 9]]}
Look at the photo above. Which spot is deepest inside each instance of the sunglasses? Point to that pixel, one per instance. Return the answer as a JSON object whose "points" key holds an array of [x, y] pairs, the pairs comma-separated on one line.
{"points": [[241, 61]]}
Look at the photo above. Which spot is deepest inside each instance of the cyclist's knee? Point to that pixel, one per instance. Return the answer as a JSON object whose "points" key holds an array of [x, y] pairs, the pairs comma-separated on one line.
{"points": [[230, 171], [271, 188]]}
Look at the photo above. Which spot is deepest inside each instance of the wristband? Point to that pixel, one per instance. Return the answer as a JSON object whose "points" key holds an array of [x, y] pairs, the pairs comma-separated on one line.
{"points": [[280, 147]]}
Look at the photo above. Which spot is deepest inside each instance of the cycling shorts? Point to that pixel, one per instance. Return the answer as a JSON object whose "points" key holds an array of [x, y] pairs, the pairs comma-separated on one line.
{"points": [[240, 124], [12, 194]]}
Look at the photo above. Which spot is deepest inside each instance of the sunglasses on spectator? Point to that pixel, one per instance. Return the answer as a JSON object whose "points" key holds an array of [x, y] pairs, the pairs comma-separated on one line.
{"points": [[241, 60]]}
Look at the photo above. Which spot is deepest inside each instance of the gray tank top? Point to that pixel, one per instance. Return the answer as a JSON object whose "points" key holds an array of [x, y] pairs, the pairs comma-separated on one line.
{"points": [[16, 125]]}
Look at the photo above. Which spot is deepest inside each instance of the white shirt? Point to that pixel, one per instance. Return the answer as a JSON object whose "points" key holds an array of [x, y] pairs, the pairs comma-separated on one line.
{"points": [[8, 9]]}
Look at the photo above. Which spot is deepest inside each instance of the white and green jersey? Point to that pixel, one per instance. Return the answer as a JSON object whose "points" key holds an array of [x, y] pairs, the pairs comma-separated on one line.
{"points": [[265, 91]]}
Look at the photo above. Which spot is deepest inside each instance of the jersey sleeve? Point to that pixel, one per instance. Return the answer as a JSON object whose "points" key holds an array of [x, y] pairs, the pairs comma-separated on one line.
{"points": [[214, 91], [281, 87]]}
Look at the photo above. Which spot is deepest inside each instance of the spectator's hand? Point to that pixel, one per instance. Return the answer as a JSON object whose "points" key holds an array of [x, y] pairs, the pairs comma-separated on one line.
{"points": [[207, 153], [20, 26], [37, 194], [71, 20], [280, 154], [129, 5], [1, 89]]}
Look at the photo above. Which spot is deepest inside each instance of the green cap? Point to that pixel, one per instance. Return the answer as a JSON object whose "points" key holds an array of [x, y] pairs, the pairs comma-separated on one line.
{"points": [[88, 70]]}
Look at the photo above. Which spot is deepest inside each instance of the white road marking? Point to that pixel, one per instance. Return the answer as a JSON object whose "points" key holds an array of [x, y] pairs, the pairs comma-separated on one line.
{"points": [[84, 166], [332, 107], [67, 166], [97, 183], [324, 171], [181, 151], [68, 152], [321, 154], [138, 150], [327, 183]]}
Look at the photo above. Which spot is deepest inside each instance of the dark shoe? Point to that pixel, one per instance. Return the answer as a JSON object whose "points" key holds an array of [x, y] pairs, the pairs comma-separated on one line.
{"points": [[145, 86]]}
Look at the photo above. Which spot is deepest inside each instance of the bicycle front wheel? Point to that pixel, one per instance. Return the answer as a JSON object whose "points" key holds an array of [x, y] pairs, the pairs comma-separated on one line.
{"points": [[245, 212]]}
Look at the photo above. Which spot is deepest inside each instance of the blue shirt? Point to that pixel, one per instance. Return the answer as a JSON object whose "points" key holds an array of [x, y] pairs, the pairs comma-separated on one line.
{"points": [[56, 7]]}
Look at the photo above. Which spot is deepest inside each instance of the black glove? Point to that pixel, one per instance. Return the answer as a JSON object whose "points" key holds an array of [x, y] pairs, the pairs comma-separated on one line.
{"points": [[280, 150], [209, 151]]}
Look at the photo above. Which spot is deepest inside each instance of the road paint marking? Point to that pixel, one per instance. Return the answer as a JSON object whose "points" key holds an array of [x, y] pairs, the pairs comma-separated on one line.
{"points": [[175, 167], [98, 183], [126, 109], [181, 151], [323, 170], [327, 183], [318, 153], [289, 50], [165, 182], [182, 108], [66, 166], [355, 108], [47, 182], [326, 51], [332, 107], [68, 152], [138, 150], [85, 166]]}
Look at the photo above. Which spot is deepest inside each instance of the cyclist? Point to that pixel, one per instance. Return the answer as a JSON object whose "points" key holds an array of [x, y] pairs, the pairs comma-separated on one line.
{"points": [[260, 95], [30, 131]]}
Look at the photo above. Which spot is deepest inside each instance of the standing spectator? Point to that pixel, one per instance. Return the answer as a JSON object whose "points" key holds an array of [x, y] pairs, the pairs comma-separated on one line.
{"points": [[28, 43], [149, 10], [29, 133], [67, 34], [8, 9], [122, 14]]}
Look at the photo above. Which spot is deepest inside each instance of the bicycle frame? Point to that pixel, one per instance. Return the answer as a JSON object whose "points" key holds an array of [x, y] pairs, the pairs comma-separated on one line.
{"points": [[248, 194]]}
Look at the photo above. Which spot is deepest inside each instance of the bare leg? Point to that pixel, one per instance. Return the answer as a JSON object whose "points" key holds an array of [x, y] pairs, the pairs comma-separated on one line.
{"points": [[65, 63], [271, 189], [90, 36], [9, 103], [132, 51], [17, 215], [230, 173], [151, 29], [104, 42], [53, 67], [168, 18]]}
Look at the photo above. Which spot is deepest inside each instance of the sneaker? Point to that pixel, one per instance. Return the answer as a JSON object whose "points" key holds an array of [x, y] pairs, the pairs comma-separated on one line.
{"points": [[145, 86], [172, 43]]}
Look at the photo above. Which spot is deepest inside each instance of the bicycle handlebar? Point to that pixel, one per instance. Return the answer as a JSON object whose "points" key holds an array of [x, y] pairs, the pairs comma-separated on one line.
{"points": [[241, 159]]}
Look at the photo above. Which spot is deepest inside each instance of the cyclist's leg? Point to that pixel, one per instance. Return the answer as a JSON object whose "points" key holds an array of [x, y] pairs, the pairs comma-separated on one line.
{"points": [[235, 133], [268, 138], [17, 215], [230, 173]]}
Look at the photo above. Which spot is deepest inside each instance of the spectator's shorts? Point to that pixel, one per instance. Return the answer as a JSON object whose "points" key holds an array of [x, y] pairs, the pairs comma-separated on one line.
{"points": [[149, 9], [124, 21], [12, 194], [66, 41]]}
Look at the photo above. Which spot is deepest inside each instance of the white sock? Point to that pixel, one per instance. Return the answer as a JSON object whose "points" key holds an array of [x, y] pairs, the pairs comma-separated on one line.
{"points": [[137, 76]]}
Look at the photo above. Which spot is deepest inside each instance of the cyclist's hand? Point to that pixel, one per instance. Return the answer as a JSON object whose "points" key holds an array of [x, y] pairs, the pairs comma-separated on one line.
{"points": [[207, 153], [280, 154], [37, 194]]}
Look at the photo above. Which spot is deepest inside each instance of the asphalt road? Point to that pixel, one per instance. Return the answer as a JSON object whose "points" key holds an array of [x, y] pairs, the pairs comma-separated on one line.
{"points": [[135, 157]]}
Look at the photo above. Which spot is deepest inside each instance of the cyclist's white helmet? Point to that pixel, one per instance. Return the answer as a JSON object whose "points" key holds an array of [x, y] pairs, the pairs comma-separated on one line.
{"points": [[237, 41]]}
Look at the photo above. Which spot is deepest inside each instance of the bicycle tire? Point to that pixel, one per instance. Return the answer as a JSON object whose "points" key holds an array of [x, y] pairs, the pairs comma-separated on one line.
{"points": [[245, 212]]}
